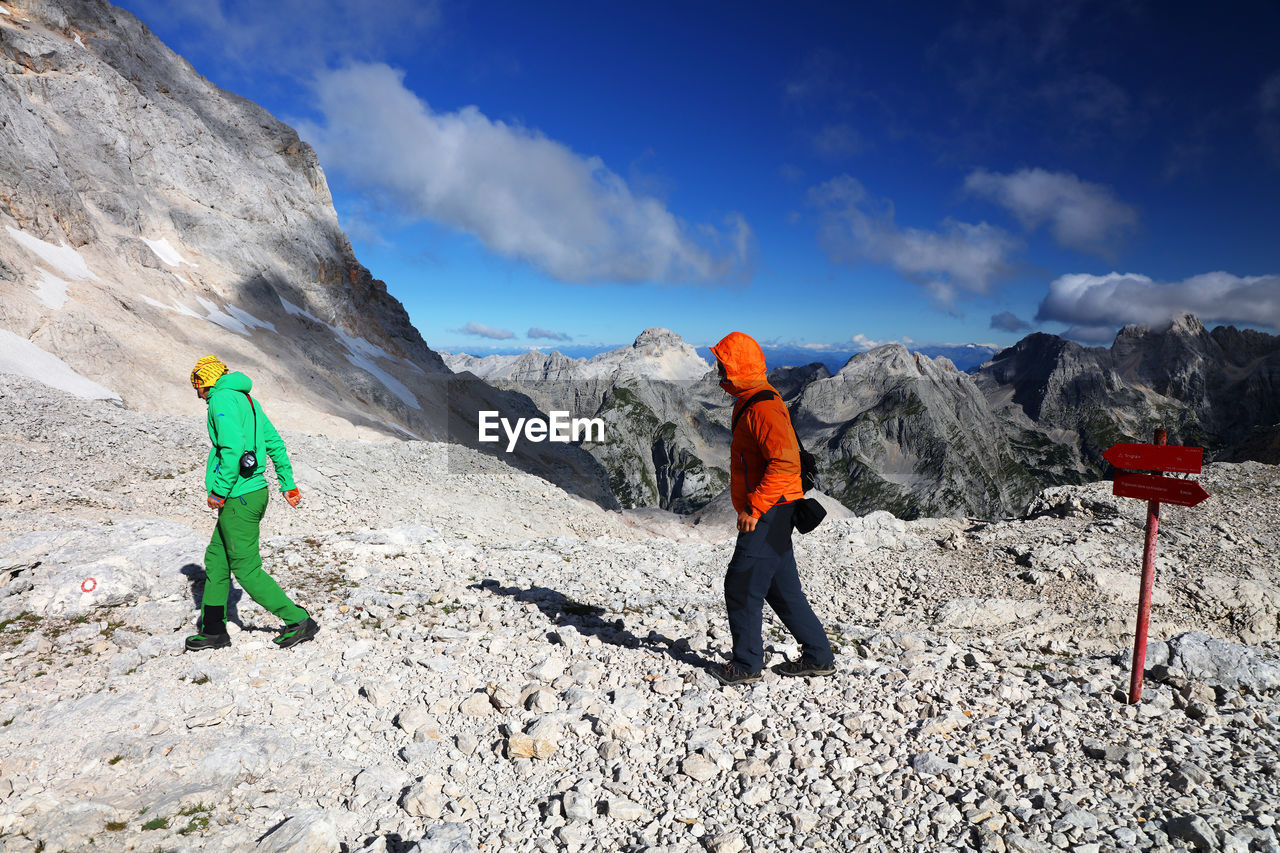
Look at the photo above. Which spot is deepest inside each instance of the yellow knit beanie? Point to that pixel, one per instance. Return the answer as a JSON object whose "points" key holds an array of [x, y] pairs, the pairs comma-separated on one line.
{"points": [[207, 371]]}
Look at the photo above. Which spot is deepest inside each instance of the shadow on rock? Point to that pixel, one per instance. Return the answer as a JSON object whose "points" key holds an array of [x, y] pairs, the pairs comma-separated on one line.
{"points": [[587, 619], [195, 575]]}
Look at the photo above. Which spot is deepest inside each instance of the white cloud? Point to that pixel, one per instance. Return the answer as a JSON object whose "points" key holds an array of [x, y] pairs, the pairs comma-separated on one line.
{"points": [[1096, 305], [482, 331], [864, 343], [1082, 215], [960, 257], [791, 173], [520, 193], [1092, 103], [536, 332]]}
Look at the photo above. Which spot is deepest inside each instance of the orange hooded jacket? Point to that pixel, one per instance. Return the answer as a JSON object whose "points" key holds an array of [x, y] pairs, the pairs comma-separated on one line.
{"points": [[764, 463]]}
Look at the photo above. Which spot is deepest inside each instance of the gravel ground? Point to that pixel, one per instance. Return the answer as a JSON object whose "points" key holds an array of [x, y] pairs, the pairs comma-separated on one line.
{"points": [[503, 666]]}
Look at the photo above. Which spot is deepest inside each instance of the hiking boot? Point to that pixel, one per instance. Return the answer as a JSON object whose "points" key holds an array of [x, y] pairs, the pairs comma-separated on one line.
{"points": [[297, 632], [728, 674], [200, 642], [803, 667]]}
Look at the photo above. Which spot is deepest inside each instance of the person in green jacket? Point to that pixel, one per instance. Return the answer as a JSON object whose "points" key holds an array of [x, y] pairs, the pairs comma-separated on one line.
{"points": [[236, 487]]}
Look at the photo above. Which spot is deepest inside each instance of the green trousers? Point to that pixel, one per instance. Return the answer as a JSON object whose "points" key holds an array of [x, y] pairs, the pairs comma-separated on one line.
{"points": [[233, 549]]}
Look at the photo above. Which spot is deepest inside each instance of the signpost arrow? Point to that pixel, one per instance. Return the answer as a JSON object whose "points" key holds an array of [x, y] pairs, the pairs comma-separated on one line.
{"points": [[1152, 487], [1155, 457]]}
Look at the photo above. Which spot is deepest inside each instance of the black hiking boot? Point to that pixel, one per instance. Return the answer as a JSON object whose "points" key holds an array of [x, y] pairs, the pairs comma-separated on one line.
{"points": [[803, 667], [297, 632], [211, 630], [730, 675], [200, 642]]}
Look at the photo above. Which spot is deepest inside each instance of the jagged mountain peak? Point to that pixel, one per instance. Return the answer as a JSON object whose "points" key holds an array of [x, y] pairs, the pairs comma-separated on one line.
{"points": [[656, 353], [1186, 323], [657, 336], [1182, 326], [893, 360]]}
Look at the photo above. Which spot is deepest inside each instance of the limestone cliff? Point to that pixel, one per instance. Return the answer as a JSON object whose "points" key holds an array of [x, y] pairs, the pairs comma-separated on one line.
{"points": [[148, 217]]}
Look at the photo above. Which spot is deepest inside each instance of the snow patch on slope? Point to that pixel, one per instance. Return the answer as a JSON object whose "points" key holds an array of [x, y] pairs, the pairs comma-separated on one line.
{"points": [[166, 252], [51, 290], [22, 357], [232, 319], [361, 354], [64, 259]]}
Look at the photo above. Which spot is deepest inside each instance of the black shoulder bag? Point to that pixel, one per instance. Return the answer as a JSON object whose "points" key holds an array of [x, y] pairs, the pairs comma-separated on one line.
{"points": [[808, 513]]}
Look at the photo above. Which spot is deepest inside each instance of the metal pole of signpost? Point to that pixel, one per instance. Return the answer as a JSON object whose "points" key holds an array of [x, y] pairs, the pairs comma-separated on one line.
{"points": [[1144, 594]]}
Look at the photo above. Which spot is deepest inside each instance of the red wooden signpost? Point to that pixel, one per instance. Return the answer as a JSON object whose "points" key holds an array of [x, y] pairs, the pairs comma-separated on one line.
{"points": [[1154, 489], [1155, 457], [1160, 489]]}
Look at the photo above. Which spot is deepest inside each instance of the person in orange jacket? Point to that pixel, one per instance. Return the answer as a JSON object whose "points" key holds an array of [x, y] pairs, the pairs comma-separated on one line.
{"points": [[764, 482]]}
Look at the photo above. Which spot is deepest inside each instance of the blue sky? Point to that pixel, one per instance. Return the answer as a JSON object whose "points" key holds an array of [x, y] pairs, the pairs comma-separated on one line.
{"points": [[828, 175]]}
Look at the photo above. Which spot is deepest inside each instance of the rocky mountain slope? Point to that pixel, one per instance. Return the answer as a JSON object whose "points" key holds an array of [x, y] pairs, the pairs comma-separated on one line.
{"points": [[1208, 388], [148, 218], [902, 432], [898, 431], [503, 666]]}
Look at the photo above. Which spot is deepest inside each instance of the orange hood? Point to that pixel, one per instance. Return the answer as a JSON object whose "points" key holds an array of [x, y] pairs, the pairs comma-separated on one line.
{"points": [[743, 361]]}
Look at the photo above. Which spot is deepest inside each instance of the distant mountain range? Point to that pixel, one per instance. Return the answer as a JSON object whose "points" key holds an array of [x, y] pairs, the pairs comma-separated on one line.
{"points": [[663, 411], [967, 357], [903, 431]]}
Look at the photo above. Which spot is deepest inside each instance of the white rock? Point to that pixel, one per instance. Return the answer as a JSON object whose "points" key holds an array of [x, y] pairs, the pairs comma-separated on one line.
{"points": [[310, 831], [579, 806], [699, 768], [415, 717], [622, 808], [549, 669], [423, 798], [727, 842], [476, 705]]}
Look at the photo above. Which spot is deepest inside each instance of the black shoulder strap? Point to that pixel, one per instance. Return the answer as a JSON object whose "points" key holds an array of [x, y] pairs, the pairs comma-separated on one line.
{"points": [[254, 410], [766, 394]]}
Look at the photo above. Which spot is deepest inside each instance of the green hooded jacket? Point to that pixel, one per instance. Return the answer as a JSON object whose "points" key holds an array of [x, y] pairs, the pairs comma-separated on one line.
{"points": [[231, 429]]}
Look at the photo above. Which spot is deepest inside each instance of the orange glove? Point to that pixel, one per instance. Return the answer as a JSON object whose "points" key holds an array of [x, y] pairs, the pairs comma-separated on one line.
{"points": [[216, 501], [293, 497]]}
